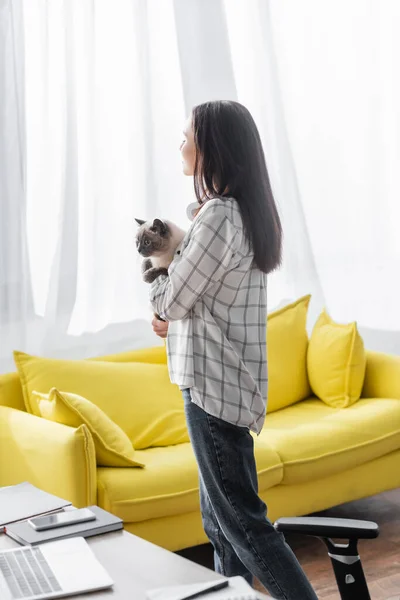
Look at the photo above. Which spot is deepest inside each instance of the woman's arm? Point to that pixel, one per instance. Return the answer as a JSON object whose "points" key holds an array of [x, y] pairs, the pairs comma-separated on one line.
{"points": [[206, 258]]}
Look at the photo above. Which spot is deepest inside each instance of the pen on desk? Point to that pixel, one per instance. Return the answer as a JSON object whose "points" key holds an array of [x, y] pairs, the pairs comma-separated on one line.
{"points": [[218, 586]]}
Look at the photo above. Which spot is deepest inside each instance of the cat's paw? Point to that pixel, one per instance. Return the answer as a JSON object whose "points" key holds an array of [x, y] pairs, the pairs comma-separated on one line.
{"points": [[148, 276], [146, 265], [151, 274]]}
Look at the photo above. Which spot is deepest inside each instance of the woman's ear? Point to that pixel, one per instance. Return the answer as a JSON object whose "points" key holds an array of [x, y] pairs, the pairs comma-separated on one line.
{"points": [[140, 221]]}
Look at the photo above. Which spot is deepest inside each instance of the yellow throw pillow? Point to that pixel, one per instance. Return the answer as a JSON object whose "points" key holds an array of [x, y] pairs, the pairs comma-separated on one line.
{"points": [[336, 362], [138, 397], [113, 447], [287, 343]]}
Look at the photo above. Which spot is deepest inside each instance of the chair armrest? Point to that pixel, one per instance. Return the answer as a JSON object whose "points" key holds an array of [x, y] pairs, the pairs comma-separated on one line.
{"points": [[382, 376], [328, 527], [58, 459]]}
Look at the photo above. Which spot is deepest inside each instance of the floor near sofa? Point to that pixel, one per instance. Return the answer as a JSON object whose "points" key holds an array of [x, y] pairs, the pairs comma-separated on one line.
{"points": [[381, 557]]}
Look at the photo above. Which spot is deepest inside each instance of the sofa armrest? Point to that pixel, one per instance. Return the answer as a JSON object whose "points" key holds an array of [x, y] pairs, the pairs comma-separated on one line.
{"points": [[58, 459], [382, 376]]}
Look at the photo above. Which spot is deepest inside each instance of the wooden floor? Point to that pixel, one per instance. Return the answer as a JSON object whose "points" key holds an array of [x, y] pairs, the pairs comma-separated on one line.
{"points": [[380, 557]]}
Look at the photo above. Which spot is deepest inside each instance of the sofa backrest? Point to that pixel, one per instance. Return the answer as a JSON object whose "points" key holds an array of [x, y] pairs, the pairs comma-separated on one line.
{"points": [[10, 384], [11, 390]]}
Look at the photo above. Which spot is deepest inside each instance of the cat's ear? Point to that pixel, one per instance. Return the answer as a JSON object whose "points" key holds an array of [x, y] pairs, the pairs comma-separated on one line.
{"points": [[159, 226], [140, 221]]}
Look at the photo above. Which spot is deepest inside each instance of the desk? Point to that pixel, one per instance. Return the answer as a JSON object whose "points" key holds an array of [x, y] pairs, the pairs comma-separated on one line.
{"points": [[136, 565]]}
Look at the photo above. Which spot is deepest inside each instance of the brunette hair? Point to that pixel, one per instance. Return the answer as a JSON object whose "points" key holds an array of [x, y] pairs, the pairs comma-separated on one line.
{"points": [[230, 162]]}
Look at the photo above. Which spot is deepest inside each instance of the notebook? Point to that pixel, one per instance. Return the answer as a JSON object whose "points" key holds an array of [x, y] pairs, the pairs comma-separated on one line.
{"points": [[25, 534], [24, 501], [238, 589]]}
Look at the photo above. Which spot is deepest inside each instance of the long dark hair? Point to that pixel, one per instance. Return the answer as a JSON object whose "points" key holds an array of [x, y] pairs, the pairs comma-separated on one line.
{"points": [[230, 161]]}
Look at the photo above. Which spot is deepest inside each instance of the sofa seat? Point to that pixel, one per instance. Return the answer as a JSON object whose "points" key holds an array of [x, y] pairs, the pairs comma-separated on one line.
{"points": [[168, 485], [314, 440]]}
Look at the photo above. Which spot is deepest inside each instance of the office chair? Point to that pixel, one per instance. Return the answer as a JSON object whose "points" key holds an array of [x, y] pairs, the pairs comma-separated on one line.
{"points": [[345, 559]]}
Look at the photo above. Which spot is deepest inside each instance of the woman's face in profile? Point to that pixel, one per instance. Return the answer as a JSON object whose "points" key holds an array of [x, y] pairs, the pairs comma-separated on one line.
{"points": [[188, 149]]}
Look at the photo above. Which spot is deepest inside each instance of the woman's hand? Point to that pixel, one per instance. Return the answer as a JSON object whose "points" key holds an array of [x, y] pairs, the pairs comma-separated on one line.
{"points": [[160, 327]]}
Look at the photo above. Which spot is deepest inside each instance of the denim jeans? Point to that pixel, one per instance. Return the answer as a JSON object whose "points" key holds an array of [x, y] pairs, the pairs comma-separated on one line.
{"points": [[234, 516]]}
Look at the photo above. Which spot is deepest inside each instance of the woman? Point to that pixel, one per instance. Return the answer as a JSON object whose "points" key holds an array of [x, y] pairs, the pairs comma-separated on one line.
{"points": [[214, 306]]}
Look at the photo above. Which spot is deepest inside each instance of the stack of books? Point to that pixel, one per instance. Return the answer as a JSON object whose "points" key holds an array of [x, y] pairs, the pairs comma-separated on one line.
{"points": [[21, 502]]}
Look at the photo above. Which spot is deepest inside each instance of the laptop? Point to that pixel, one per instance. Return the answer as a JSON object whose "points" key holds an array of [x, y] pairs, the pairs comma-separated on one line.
{"points": [[51, 570]]}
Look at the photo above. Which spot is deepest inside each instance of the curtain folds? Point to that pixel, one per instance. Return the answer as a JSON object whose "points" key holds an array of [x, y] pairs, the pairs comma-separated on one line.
{"points": [[93, 98]]}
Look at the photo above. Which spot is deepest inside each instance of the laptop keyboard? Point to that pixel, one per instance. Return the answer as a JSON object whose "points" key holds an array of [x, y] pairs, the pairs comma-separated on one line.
{"points": [[27, 573]]}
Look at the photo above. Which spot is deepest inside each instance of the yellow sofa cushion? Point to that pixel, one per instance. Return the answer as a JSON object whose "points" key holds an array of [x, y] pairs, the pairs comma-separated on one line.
{"points": [[336, 362], [10, 383], [315, 440], [169, 483], [136, 396], [287, 344], [113, 447]]}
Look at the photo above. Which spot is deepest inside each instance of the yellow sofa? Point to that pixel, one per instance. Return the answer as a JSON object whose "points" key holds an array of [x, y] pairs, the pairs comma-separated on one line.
{"points": [[309, 457]]}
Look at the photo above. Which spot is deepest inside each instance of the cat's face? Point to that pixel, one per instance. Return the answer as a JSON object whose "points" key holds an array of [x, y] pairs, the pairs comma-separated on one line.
{"points": [[152, 237]]}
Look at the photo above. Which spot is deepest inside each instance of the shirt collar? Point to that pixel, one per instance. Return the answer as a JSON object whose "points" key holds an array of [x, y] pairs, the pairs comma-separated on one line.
{"points": [[191, 209], [194, 208]]}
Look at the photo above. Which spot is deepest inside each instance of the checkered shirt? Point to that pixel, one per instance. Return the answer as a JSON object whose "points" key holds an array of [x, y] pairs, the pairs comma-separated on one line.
{"points": [[216, 302]]}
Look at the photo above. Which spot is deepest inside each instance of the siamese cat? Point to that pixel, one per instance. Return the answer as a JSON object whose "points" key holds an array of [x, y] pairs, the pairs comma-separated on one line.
{"points": [[157, 242]]}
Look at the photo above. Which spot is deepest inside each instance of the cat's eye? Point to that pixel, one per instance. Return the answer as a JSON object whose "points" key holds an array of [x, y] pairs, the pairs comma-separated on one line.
{"points": [[147, 242]]}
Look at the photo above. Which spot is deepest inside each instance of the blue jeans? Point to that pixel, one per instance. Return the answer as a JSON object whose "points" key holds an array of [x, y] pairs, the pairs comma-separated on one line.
{"points": [[234, 516]]}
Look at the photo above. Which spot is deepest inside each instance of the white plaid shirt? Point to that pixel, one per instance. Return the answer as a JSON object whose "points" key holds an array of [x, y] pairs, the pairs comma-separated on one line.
{"points": [[216, 303]]}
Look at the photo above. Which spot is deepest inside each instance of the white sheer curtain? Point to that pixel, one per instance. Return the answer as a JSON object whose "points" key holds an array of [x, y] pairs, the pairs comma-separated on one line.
{"points": [[339, 70], [16, 303], [93, 96], [104, 111], [323, 80], [105, 106]]}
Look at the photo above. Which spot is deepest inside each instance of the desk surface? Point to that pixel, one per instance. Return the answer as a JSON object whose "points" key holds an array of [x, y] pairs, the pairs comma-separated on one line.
{"points": [[136, 565]]}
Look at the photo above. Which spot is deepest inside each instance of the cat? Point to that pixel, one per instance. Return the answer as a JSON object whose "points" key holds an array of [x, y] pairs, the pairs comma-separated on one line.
{"points": [[157, 242]]}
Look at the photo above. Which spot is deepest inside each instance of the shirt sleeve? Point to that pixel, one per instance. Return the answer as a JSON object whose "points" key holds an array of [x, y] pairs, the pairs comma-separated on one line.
{"points": [[204, 261]]}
